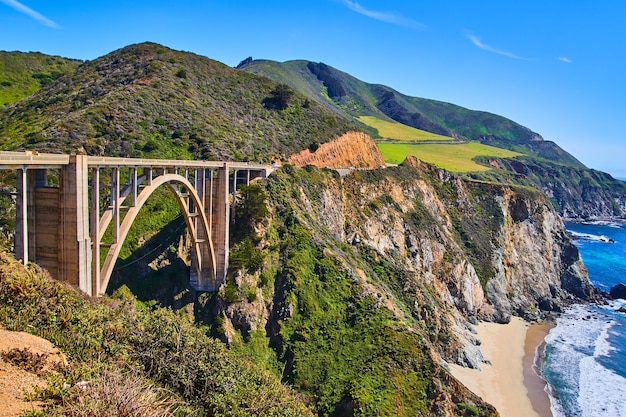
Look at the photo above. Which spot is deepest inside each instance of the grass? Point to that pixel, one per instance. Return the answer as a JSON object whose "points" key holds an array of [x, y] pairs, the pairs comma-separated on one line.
{"points": [[456, 157], [401, 132]]}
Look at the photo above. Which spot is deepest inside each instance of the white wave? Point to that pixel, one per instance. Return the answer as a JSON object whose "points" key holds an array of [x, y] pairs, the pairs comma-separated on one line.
{"points": [[589, 236], [581, 335], [602, 392], [609, 223], [603, 347], [616, 304], [556, 408]]}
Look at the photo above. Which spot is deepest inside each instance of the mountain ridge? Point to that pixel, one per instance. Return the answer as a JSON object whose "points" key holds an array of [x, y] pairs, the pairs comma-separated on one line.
{"points": [[364, 99], [139, 99], [599, 196]]}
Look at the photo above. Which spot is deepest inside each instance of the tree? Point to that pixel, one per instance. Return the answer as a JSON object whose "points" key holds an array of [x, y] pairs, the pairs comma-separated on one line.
{"points": [[281, 97]]}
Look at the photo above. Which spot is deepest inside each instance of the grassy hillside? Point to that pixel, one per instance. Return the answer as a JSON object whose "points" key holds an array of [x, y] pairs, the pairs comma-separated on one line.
{"points": [[452, 157], [353, 98], [398, 131], [148, 100], [23, 73], [134, 357]]}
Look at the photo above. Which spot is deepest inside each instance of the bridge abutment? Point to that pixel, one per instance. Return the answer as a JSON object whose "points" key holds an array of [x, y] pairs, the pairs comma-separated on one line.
{"points": [[52, 225]]}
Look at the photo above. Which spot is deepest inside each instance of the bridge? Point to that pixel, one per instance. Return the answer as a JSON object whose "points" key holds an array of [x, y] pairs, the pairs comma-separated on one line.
{"points": [[66, 203]]}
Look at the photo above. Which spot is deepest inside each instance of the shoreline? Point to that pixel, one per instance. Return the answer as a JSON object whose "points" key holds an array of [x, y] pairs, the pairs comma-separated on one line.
{"points": [[536, 385], [510, 383]]}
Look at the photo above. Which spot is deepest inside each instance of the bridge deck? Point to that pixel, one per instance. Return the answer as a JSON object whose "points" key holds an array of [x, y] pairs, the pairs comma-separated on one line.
{"points": [[18, 160]]}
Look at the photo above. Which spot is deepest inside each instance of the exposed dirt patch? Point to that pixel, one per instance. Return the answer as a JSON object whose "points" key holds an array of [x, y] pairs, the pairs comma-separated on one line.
{"points": [[353, 149], [15, 382]]}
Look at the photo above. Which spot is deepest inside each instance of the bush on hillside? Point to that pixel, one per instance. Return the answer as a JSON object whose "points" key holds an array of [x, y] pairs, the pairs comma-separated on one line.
{"points": [[112, 337]]}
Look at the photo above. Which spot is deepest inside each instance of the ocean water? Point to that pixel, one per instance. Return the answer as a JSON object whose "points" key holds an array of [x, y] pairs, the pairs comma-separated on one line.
{"points": [[584, 361]]}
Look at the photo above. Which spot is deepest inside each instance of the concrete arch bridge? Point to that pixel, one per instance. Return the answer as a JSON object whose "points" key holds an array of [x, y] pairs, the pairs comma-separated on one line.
{"points": [[61, 227]]}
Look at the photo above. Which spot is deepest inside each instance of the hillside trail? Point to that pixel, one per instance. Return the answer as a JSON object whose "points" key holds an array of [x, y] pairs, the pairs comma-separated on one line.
{"points": [[15, 382]]}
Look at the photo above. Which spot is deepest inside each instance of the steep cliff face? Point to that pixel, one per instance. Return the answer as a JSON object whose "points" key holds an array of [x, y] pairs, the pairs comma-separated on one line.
{"points": [[577, 193], [411, 252], [489, 250], [353, 149]]}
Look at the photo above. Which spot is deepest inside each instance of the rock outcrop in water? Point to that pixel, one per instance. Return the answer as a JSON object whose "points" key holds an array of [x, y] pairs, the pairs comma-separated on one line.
{"points": [[618, 291]]}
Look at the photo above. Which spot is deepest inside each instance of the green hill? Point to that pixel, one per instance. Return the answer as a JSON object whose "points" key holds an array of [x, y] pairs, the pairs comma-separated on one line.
{"points": [[455, 157], [148, 100], [23, 73], [398, 131], [353, 98], [546, 165]]}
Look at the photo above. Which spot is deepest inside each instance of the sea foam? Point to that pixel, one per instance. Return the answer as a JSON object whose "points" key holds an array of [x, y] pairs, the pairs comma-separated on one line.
{"points": [[581, 384], [589, 236]]}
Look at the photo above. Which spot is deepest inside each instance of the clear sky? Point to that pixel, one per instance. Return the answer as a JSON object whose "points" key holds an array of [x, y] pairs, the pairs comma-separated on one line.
{"points": [[554, 66]]}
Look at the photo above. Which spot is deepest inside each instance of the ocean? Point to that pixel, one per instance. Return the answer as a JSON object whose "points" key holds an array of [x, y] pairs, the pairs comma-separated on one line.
{"points": [[584, 356]]}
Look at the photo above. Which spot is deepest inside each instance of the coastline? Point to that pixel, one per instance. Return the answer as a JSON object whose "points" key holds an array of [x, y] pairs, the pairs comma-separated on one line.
{"points": [[510, 383], [536, 385]]}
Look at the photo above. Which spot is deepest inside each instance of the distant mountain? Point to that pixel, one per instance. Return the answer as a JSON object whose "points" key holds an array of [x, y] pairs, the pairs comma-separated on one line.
{"points": [[576, 191], [23, 73], [149, 100], [350, 97]]}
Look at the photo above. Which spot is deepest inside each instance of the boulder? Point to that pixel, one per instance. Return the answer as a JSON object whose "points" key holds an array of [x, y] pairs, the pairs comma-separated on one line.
{"points": [[618, 291]]}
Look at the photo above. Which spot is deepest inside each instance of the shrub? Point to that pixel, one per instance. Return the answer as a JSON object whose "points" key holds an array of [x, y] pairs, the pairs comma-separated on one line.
{"points": [[108, 339], [115, 394], [25, 359]]}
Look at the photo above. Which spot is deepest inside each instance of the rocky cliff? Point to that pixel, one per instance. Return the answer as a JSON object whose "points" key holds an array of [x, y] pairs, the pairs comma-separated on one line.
{"points": [[491, 250], [576, 193], [427, 250]]}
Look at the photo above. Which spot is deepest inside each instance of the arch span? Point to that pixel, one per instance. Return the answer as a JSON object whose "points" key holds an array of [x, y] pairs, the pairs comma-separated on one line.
{"points": [[195, 218]]}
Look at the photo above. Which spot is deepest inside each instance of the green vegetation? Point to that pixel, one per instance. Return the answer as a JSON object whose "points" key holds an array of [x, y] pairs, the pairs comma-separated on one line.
{"points": [[401, 132], [573, 190], [21, 74], [339, 341], [146, 100], [141, 350], [451, 157], [337, 336], [355, 99]]}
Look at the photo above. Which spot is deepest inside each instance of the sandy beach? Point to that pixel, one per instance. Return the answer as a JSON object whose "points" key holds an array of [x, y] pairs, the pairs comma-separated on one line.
{"points": [[509, 383]]}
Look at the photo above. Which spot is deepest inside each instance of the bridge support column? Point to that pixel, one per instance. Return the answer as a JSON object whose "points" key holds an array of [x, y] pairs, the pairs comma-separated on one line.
{"points": [[221, 223], [74, 240], [24, 202], [217, 209], [36, 206]]}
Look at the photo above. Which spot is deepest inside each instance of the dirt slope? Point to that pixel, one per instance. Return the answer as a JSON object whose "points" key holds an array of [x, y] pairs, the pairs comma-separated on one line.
{"points": [[353, 149], [15, 382]]}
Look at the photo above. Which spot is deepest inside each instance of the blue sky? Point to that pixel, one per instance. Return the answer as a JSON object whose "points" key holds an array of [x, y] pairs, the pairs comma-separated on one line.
{"points": [[556, 67]]}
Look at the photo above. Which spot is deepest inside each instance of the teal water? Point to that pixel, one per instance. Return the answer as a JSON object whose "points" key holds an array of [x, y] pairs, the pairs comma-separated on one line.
{"points": [[585, 354]]}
